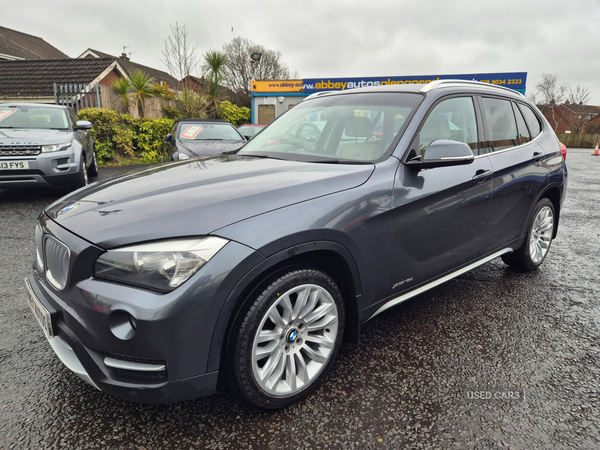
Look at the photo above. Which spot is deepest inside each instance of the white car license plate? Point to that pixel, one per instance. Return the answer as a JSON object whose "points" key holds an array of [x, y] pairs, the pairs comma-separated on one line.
{"points": [[14, 165], [41, 314]]}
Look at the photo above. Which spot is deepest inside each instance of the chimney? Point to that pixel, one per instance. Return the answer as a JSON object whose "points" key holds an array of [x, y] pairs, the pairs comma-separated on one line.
{"points": [[124, 56]]}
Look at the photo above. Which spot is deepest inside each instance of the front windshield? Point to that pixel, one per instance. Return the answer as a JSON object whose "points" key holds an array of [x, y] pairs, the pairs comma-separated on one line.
{"points": [[355, 127], [36, 117], [189, 131]]}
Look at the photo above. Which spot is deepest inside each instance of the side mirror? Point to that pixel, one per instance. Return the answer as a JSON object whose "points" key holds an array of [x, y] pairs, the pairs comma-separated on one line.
{"points": [[442, 153], [83, 125], [168, 138]]}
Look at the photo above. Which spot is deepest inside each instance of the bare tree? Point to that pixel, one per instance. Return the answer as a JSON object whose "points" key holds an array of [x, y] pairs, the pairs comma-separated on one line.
{"points": [[579, 114], [240, 70], [179, 55], [550, 93]]}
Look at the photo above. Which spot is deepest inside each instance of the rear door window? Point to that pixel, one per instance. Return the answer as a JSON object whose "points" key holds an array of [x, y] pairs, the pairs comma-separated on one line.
{"points": [[532, 120], [501, 123], [524, 135]]}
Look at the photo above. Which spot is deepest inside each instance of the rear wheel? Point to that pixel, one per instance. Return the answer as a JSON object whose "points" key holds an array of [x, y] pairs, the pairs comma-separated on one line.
{"points": [[286, 343], [539, 238]]}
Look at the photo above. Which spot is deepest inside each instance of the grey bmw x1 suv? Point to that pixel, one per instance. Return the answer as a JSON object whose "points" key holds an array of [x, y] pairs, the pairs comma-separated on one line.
{"points": [[250, 268], [46, 146]]}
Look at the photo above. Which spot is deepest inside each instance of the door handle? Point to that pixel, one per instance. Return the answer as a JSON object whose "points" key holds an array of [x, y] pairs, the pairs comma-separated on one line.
{"points": [[537, 156], [482, 174]]}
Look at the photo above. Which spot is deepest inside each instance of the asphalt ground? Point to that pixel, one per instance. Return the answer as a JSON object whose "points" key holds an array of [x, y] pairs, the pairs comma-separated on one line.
{"points": [[493, 359]]}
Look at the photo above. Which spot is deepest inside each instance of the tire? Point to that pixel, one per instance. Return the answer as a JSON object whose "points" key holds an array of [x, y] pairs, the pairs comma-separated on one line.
{"points": [[538, 240], [287, 341], [82, 176], [93, 169]]}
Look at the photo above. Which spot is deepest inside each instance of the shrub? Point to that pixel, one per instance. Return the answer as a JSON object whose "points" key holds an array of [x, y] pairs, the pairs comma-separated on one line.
{"points": [[234, 114], [118, 136]]}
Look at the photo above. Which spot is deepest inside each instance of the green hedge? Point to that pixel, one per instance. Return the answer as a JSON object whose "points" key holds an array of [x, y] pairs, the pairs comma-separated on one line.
{"points": [[233, 113], [119, 136]]}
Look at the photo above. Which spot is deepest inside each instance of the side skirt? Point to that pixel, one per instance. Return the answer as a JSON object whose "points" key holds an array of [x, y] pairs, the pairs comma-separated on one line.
{"points": [[397, 300]]}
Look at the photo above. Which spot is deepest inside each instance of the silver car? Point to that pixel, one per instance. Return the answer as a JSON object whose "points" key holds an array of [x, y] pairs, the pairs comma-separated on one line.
{"points": [[46, 146]]}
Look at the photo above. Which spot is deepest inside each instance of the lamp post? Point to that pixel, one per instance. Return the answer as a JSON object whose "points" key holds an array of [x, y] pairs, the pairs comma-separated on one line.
{"points": [[254, 58]]}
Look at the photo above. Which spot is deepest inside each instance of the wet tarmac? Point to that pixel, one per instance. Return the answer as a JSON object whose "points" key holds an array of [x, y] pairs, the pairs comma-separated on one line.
{"points": [[493, 359]]}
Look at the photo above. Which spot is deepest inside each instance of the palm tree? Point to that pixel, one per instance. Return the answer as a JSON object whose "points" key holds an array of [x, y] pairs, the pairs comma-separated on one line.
{"points": [[214, 70], [121, 87], [141, 86]]}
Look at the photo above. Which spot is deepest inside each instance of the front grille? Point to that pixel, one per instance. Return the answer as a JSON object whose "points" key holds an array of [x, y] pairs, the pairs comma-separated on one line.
{"points": [[20, 150], [57, 262], [22, 172], [143, 375]]}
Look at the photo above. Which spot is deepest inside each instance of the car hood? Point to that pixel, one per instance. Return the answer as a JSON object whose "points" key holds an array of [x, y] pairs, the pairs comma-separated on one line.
{"points": [[33, 136], [206, 148], [196, 197]]}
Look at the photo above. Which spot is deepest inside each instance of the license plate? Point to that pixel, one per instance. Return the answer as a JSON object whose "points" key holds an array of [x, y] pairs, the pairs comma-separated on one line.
{"points": [[40, 312], [14, 165]]}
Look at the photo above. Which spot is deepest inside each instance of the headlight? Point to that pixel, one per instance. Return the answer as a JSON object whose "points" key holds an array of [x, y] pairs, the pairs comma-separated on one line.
{"points": [[182, 156], [55, 147], [161, 265]]}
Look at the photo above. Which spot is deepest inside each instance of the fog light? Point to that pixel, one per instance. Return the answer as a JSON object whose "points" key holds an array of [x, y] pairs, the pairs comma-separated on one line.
{"points": [[122, 325]]}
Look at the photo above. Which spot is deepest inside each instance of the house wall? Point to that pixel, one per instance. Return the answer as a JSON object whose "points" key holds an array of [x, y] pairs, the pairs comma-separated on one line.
{"points": [[559, 118], [112, 76]]}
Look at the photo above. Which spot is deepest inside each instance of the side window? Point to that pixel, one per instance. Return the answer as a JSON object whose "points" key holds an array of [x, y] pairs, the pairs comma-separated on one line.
{"points": [[523, 131], [532, 121], [501, 123], [72, 116], [452, 119]]}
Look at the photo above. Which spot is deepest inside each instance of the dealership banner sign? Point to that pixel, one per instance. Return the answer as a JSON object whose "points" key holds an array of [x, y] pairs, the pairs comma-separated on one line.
{"points": [[277, 86], [513, 80]]}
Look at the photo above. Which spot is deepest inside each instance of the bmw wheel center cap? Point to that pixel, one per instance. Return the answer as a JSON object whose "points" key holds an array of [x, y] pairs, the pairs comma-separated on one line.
{"points": [[292, 336]]}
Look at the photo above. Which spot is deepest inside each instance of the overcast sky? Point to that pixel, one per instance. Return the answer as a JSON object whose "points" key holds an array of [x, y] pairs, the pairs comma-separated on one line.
{"points": [[334, 38]]}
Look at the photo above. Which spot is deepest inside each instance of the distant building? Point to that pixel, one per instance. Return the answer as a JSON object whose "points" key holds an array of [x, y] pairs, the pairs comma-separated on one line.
{"points": [[33, 80], [572, 118], [15, 45], [129, 66]]}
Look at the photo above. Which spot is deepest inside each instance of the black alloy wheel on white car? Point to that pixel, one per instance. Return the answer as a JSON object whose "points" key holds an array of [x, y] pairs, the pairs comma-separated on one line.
{"points": [[287, 341], [539, 238]]}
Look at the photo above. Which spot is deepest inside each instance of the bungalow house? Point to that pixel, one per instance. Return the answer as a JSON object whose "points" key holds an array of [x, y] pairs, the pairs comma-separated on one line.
{"points": [[160, 77], [33, 80]]}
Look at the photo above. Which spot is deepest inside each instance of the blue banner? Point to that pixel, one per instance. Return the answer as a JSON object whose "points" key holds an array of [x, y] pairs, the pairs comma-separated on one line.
{"points": [[513, 80]]}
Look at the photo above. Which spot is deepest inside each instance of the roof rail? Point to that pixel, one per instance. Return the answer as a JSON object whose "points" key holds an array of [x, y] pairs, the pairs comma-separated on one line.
{"points": [[440, 83], [316, 94]]}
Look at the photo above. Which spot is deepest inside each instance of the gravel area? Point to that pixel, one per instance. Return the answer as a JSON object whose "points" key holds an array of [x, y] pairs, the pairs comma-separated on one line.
{"points": [[416, 380]]}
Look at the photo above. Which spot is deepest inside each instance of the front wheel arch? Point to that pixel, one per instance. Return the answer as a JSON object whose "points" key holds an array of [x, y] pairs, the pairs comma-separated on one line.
{"points": [[287, 338], [329, 257]]}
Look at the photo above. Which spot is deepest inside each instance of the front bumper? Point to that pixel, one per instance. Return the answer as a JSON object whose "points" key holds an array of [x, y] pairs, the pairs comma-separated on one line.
{"points": [[163, 355], [50, 170]]}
